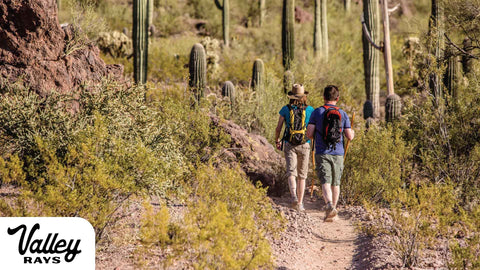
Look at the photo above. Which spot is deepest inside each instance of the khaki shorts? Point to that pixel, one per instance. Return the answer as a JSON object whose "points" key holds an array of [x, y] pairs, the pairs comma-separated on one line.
{"points": [[296, 157], [329, 168]]}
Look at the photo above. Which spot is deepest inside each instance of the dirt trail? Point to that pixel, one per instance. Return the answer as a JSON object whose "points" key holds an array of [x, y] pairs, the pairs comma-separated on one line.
{"points": [[310, 243]]}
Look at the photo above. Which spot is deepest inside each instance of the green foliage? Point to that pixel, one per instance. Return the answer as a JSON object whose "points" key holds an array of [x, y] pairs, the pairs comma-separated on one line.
{"points": [[372, 175], [227, 222]]}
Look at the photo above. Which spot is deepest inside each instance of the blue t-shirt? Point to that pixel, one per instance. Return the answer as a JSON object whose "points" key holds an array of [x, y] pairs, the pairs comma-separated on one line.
{"points": [[317, 120], [285, 112]]}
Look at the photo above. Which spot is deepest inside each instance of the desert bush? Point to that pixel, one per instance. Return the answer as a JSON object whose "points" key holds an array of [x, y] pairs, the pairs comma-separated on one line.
{"points": [[227, 222], [376, 165]]}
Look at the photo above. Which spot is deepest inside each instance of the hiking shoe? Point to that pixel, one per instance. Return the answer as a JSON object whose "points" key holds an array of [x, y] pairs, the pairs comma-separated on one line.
{"points": [[294, 204], [300, 207], [330, 212]]}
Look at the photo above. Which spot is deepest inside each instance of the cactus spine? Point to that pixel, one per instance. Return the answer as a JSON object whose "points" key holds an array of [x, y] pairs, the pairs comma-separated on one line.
{"points": [[257, 75], [288, 39], [288, 80], [262, 10], [140, 40], [198, 71], [228, 90], [225, 19], [436, 32], [371, 56], [317, 33], [393, 108], [324, 30]]}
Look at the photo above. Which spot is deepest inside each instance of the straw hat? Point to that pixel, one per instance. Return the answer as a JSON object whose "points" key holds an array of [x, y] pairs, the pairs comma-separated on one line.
{"points": [[297, 92]]}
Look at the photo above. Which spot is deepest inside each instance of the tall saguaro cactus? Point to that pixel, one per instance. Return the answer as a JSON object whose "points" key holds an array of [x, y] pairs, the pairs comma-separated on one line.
{"points": [[225, 8], [324, 30], [288, 34], [140, 40], [257, 75], [371, 56], [262, 10], [436, 32], [198, 71], [317, 31], [347, 5], [451, 76]]}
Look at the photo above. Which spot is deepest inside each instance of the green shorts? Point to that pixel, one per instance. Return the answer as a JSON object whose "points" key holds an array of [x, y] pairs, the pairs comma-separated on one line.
{"points": [[329, 168]]}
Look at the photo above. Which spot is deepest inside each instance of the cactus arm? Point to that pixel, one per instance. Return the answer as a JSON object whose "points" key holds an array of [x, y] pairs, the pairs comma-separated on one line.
{"points": [[368, 36], [218, 5]]}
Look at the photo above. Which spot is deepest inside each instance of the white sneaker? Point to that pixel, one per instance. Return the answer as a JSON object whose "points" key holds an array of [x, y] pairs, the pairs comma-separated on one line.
{"points": [[300, 207]]}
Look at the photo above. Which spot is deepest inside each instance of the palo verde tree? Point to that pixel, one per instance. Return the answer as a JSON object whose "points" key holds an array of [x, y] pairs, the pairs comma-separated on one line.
{"points": [[371, 56], [225, 19], [140, 40], [288, 33], [262, 10]]}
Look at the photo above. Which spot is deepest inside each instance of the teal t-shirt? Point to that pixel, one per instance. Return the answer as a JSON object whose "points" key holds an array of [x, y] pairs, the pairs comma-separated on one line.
{"points": [[285, 112]]}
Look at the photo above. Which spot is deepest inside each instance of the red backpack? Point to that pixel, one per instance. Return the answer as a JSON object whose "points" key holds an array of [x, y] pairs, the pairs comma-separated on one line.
{"points": [[332, 126]]}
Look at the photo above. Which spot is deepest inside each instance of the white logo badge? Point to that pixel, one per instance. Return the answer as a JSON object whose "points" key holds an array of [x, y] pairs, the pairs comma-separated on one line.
{"points": [[46, 243]]}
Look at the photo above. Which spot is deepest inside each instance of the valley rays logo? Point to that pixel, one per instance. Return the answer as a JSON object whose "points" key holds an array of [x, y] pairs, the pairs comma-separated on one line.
{"points": [[46, 243], [48, 248]]}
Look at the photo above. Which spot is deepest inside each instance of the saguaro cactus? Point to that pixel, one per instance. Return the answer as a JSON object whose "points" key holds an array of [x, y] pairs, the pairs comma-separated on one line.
{"points": [[257, 75], [346, 5], [367, 110], [140, 40], [225, 19], [228, 90], [393, 108], [317, 32], [451, 77], [323, 3], [198, 71], [467, 63], [436, 32], [371, 56], [288, 34], [262, 10], [288, 80]]}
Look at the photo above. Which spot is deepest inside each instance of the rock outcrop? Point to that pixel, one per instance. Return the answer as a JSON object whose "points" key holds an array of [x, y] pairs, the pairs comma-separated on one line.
{"points": [[255, 155], [37, 51]]}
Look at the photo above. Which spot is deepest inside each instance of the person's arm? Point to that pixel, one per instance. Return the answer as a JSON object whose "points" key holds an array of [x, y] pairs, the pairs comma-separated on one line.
{"points": [[349, 133], [278, 130], [310, 131]]}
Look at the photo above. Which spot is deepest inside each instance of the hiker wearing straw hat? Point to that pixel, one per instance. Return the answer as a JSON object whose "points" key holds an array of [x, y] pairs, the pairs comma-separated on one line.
{"points": [[327, 126], [294, 142]]}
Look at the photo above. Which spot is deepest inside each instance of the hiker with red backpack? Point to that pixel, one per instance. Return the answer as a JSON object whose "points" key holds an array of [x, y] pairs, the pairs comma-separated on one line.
{"points": [[295, 143], [327, 126]]}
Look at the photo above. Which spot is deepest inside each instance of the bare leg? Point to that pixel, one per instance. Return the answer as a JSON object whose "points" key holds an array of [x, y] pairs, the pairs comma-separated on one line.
{"points": [[300, 189], [336, 195], [293, 187], [327, 192]]}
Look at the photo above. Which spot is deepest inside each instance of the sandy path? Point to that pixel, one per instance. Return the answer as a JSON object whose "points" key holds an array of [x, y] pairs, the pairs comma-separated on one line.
{"points": [[310, 243]]}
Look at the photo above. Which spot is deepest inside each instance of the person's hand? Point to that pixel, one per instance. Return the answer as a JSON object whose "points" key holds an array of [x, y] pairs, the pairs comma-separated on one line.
{"points": [[279, 145]]}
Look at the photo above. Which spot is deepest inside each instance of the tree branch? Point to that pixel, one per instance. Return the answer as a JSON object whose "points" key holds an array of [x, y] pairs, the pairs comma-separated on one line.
{"points": [[218, 5], [367, 35], [449, 41]]}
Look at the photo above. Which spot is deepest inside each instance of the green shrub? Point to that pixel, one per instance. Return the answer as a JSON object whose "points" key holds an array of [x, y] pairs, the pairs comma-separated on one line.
{"points": [[375, 166]]}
